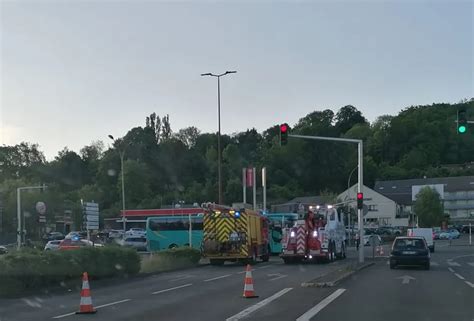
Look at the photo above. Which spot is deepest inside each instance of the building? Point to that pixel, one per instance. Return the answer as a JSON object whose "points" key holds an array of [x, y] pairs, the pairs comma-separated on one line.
{"points": [[379, 210], [294, 205], [457, 194]]}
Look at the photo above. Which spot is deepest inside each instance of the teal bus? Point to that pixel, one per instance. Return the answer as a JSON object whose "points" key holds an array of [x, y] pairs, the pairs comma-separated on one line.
{"points": [[277, 222], [170, 231]]}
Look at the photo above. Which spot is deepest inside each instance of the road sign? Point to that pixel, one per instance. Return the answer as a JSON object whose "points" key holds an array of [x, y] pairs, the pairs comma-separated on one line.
{"points": [[40, 208], [91, 215], [41, 219]]}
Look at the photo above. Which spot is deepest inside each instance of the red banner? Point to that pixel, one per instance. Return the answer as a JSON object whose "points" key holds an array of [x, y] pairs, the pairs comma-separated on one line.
{"points": [[249, 178]]}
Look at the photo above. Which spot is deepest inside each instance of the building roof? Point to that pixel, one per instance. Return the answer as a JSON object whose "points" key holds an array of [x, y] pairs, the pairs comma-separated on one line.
{"points": [[400, 190]]}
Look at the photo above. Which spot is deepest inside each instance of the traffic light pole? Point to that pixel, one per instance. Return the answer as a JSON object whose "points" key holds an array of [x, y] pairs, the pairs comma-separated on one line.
{"points": [[360, 184]]}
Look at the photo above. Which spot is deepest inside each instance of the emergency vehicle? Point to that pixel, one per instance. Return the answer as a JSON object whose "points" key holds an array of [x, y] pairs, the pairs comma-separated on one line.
{"points": [[318, 236], [236, 235]]}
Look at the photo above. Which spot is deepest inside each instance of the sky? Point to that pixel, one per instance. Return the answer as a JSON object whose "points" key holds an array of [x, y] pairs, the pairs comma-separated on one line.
{"points": [[72, 72]]}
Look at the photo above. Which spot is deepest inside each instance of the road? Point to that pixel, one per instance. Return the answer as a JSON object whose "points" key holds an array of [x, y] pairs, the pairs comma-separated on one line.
{"points": [[446, 292]]}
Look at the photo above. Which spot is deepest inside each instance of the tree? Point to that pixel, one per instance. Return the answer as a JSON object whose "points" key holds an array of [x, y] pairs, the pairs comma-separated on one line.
{"points": [[428, 207], [188, 136], [347, 117], [166, 128]]}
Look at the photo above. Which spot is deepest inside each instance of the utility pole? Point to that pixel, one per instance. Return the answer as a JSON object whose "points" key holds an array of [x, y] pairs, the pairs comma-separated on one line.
{"points": [[219, 154], [122, 155]]}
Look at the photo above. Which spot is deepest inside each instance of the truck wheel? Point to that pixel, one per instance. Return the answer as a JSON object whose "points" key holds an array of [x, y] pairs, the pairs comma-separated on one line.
{"points": [[265, 258], [287, 260]]}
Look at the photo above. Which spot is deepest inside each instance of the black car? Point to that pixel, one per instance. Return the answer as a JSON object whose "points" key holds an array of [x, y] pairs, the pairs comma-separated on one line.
{"points": [[410, 250]]}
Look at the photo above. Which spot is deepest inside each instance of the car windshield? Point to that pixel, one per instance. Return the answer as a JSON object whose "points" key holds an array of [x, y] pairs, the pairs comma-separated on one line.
{"points": [[404, 244], [181, 155]]}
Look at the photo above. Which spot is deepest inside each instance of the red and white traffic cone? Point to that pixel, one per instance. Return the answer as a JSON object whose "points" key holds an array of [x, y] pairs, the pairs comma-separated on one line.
{"points": [[85, 306], [248, 284]]}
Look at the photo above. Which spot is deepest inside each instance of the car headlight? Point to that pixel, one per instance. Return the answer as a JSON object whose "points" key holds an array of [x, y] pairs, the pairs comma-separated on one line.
{"points": [[315, 233], [292, 234]]}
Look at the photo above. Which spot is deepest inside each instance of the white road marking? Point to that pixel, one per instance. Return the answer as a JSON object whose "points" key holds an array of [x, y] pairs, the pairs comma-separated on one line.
{"points": [[459, 276], [470, 284], [406, 279], [471, 263], [171, 289], [113, 303], [183, 277], [451, 263], [388, 262], [434, 263], [321, 305], [451, 270], [279, 277], [244, 313], [97, 307], [218, 277]]}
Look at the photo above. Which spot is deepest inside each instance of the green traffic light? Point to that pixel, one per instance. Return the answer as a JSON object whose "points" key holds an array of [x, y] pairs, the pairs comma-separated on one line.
{"points": [[462, 129]]}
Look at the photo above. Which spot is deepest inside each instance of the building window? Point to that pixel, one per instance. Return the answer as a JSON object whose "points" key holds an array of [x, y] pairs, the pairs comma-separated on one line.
{"points": [[372, 208]]}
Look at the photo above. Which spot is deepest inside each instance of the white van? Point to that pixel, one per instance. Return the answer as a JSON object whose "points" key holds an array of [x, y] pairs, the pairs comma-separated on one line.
{"points": [[427, 233]]}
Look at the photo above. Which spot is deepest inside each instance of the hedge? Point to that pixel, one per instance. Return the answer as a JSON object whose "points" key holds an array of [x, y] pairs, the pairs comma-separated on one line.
{"points": [[28, 269], [171, 259]]}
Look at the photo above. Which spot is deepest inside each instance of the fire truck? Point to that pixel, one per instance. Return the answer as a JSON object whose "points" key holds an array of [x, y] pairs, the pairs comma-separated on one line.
{"points": [[236, 235], [318, 236]]}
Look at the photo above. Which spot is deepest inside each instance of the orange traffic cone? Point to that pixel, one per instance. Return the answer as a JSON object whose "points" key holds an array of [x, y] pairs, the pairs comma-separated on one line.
{"points": [[248, 284], [86, 300]]}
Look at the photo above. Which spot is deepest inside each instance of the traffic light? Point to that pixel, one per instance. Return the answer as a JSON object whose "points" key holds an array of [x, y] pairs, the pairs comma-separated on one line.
{"points": [[360, 201], [462, 121], [284, 128]]}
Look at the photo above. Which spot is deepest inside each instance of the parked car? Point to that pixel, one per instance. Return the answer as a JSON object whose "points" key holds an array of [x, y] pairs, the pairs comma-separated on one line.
{"points": [[367, 238], [76, 234], [436, 234], [449, 234], [3, 250], [114, 234], [138, 243], [410, 250], [51, 236], [52, 245], [135, 231], [465, 229], [76, 243]]}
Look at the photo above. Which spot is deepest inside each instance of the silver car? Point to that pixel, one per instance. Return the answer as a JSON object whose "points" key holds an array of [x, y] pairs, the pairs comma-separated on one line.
{"points": [[138, 243], [52, 245]]}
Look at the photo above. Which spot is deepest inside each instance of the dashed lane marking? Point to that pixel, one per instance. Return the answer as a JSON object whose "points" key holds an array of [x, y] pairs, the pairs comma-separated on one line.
{"points": [[471, 263], [459, 276], [321, 305], [470, 284], [97, 307], [218, 277], [451, 263], [255, 307], [171, 289], [450, 270]]}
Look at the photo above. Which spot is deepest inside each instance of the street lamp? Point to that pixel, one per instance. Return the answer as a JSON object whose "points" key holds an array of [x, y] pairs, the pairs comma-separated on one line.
{"points": [[121, 153], [18, 210], [219, 174]]}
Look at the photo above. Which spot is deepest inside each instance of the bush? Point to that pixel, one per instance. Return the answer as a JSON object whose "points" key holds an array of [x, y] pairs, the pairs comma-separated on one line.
{"points": [[170, 260], [29, 269]]}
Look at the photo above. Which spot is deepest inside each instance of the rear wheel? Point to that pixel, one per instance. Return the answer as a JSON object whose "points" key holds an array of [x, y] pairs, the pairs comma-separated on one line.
{"points": [[343, 251], [173, 246], [287, 260]]}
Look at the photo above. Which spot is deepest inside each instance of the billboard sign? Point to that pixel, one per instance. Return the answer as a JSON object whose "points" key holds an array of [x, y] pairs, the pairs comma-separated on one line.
{"points": [[415, 189]]}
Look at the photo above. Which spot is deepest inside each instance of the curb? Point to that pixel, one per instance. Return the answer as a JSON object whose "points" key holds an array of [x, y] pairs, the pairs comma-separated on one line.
{"points": [[338, 279]]}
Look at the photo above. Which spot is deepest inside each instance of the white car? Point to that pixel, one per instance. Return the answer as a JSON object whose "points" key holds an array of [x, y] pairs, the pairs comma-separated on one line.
{"points": [[136, 232], [52, 245], [367, 239], [114, 234]]}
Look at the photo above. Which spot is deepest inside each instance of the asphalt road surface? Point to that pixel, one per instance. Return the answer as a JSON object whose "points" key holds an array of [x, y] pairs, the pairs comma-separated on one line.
{"points": [[446, 292]]}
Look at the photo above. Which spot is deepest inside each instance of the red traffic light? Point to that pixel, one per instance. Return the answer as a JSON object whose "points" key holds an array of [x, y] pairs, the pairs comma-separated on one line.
{"points": [[283, 128], [360, 196]]}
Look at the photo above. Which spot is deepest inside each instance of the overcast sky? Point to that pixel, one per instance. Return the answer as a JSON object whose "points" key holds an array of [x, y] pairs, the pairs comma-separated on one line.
{"points": [[73, 73]]}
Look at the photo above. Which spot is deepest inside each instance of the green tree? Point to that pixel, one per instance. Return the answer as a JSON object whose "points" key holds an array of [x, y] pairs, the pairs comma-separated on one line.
{"points": [[428, 207]]}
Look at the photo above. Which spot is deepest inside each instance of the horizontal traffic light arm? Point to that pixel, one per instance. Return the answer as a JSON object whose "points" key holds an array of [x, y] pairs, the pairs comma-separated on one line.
{"points": [[346, 140]]}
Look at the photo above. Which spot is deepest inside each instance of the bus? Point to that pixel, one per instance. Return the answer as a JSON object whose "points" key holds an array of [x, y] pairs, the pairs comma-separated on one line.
{"points": [[277, 222], [170, 231]]}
